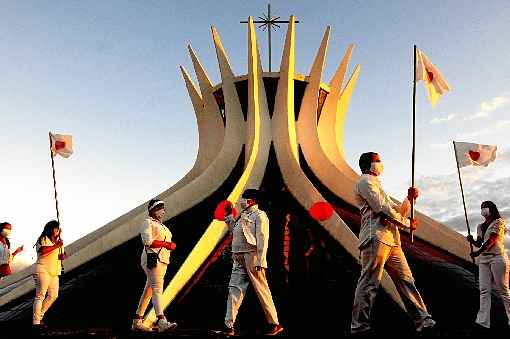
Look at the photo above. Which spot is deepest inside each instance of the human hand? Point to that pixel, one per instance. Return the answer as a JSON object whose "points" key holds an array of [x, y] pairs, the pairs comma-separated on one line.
{"points": [[170, 246], [228, 209], [413, 224], [412, 193], [59, 243]]}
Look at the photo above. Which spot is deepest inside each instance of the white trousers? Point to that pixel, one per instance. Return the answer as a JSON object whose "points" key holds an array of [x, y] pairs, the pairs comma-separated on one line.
{"points": [[243, 272], [153, 289], [493, 273], [46, 292], [376, 257]]}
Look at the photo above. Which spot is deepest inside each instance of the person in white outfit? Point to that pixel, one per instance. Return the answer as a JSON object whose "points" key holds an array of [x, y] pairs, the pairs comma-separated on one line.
{"points": [[379, 244], [6, 257], [493, 264], [250, 240], [48, 267], [157, 243]]}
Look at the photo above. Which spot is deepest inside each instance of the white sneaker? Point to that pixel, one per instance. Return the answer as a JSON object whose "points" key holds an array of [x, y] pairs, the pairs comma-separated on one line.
{"points": [[139, 326], [165, 325], [427, 324]]}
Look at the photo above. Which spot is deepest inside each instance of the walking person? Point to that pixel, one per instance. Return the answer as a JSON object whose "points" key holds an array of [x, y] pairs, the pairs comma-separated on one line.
{"points": [[48, 267], [250, 240], [6, 257], [157, 242], [493, 264], [379, 244]]}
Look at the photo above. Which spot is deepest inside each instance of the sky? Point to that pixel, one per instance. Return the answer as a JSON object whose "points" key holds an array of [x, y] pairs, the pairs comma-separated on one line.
{"points": [[107, 72]]}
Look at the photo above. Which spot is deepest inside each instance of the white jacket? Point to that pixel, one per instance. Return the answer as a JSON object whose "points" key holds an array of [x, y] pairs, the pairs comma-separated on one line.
{"points": [[255, 226], [154, 230], [379, 215]]}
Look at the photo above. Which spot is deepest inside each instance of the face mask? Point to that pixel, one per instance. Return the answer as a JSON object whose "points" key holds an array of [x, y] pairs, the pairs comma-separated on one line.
{"points": [[485, 212], [243, 203], [6, 232], [377, 168], [159, 214]]}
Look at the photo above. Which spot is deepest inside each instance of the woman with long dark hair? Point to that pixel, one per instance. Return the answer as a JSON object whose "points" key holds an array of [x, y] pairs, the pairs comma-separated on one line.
{"points": [[157, 242], [5, 249], [493, 265], [48, 267]]}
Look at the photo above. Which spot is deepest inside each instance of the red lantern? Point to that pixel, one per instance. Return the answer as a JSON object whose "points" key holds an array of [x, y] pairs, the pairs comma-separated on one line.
{"points": [[321, 211], [219, 213]]}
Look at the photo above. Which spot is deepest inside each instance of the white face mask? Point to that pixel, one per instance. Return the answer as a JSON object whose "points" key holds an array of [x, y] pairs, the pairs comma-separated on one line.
{"points": [[159, 214], [377, 168], [485, 212], [243, 203], [6, 232]]}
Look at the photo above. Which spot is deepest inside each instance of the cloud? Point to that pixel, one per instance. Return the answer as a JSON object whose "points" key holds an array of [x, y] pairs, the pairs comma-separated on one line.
{"points": [[445, 145], [502, 123], [489, 106], [486, 131], [441, 198], [442, 120], [493, 104], [477, 133], [477, 116]]}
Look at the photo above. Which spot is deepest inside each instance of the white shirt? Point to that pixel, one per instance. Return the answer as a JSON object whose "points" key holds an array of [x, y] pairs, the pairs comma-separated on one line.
{"points": [[496, 227], [49, 262], [377, 212], [5, 254], [154, 230], [250, 232]]}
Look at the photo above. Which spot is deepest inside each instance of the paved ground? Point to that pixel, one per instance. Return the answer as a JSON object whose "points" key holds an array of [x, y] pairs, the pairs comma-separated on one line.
{"points": [[107, 333]]}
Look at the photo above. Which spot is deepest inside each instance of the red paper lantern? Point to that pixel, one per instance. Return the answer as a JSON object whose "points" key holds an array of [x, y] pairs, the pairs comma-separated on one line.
{"points": [[219, 213], [321, 211]]}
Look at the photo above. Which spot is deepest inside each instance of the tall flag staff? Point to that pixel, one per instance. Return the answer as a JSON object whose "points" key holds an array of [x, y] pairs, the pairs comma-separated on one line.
{"points": [[469, 154], [436, 86], [63, 145]]}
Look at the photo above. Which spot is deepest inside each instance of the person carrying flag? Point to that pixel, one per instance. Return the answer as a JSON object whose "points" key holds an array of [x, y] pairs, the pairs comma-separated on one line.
{"points": [[493, 265], [379, 244]]}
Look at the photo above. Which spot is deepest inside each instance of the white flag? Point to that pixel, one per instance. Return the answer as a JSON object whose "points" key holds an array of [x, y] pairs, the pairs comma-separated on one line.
{"points": [[61, 144], [469, 154], [431, 77]]}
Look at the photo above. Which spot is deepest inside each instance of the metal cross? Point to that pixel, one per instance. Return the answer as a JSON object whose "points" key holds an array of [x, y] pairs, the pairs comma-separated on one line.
{"points": [[269, 22]]}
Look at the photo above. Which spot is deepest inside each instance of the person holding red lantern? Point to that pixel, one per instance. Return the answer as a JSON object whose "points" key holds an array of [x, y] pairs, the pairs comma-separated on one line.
{"points": [[379, 244], [250, 240]]}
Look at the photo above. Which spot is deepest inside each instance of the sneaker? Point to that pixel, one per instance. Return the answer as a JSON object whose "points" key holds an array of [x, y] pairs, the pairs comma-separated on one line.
{"points": [[228, 331], [480, 330], [274, 329], [368, 333], [428, 326], [138, 326], [165, 325]]}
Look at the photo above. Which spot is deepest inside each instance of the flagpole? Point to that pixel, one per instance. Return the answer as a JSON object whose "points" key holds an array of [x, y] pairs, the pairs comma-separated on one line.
{"points": [[413, 156], [463, 200], [55, 190], [54, 179]]}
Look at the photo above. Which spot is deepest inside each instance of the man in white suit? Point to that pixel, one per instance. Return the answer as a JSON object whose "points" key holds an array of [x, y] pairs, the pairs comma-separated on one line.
{"points": [[379, 244], [250, 239]]}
